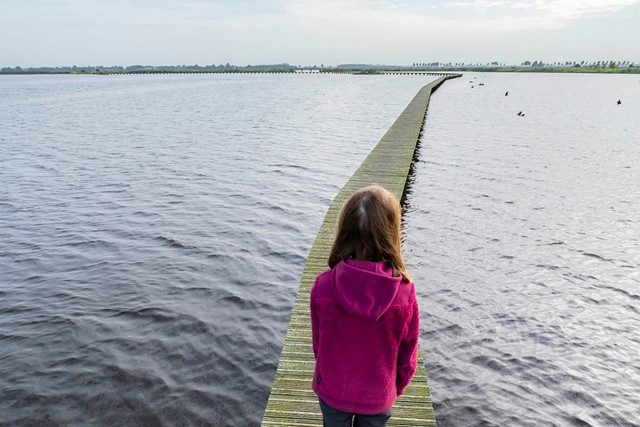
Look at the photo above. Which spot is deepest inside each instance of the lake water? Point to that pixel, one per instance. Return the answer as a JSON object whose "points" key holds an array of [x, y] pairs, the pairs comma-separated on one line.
{"points": [[154, 230], [523, 233]]}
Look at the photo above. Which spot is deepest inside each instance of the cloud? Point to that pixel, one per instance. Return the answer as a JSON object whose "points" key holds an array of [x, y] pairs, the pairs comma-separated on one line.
{"points": [[482, 15], [577, 9], [402, 16], [264, 31]]}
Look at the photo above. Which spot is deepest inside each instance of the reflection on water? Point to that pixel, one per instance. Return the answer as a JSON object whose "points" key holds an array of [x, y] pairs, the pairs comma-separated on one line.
{"points": [[153, 232], [523, 237]]}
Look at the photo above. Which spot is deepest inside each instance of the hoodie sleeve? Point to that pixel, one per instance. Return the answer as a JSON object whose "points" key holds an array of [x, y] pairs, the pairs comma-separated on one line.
{"points": [[408, 351], [315, 321]]}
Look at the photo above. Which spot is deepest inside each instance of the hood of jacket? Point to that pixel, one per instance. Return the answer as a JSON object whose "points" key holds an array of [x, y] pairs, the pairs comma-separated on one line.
{"points": [[365, 288]]}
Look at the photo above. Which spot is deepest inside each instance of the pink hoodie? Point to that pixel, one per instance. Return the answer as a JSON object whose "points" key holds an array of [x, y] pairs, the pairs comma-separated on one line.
{"points": [[365, 326]]}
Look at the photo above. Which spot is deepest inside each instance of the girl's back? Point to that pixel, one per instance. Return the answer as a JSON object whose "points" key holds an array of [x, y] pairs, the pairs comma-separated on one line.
{"points": [[364, 315], [366, 322]]}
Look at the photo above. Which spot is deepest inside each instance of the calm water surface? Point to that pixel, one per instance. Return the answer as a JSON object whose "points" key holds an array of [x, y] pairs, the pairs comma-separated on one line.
{"points": [[154, 229], [523, 235]]}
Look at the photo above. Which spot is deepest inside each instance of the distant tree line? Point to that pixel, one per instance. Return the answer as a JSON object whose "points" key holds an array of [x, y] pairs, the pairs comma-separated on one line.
{"points": [[593, 64], [539, 66], [101, 69], [576, 64], [609, 64]]}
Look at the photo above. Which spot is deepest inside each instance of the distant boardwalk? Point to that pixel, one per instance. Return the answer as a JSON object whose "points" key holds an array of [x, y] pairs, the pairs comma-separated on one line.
{"points": [[295, 72], [292, 402]]}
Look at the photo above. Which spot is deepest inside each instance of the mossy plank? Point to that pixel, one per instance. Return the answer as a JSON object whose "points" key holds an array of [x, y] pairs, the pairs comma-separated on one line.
{"points": [[292, 402]]}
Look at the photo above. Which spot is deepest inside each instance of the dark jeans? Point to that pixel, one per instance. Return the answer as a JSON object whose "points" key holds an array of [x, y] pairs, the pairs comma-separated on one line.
{"points": [[334, 418]]}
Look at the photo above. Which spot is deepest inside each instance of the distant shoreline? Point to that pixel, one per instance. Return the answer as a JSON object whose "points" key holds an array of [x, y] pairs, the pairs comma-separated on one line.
{"points": [[380, 72], [319, 70]]}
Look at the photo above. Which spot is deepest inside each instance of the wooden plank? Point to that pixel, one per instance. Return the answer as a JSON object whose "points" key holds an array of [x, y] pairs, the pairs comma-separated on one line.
{"points": [[292, 402]]}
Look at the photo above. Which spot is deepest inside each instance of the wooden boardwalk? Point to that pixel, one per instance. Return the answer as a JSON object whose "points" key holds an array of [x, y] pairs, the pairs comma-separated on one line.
{"points": [[292, 402]]}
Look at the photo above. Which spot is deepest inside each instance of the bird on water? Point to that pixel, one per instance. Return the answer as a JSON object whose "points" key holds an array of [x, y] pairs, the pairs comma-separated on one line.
{"points": [[506, 93], [619, 102]]}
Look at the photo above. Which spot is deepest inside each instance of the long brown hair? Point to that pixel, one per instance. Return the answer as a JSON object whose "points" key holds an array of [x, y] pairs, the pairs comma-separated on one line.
{"points": [[369, 229]]}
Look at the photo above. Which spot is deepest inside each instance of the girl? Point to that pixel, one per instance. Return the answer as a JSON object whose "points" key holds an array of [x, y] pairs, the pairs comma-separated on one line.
{"points": [[364, 315]]}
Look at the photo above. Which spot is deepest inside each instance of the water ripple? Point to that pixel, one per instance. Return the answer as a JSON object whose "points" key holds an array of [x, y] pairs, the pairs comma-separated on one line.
{"points": [[154, 231], [522, 236]]}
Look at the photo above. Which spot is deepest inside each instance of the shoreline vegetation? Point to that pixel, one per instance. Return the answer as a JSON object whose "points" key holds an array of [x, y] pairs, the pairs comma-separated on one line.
{"points": [[617, 67]]}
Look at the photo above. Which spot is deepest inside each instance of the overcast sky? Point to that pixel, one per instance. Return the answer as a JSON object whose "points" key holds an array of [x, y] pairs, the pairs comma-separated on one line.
{"points": [[330, 32]]}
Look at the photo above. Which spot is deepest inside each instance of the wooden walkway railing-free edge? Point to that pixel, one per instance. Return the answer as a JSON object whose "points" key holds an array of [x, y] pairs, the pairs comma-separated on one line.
{"points": [[292, 402]]}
